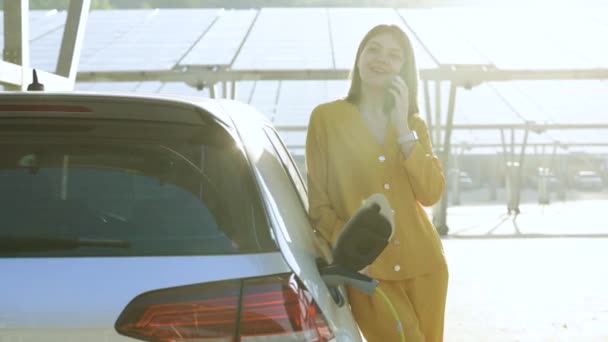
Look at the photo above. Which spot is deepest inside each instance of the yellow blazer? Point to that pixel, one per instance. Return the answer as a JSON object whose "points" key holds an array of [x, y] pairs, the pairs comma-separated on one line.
{"points": [[345, 165]]}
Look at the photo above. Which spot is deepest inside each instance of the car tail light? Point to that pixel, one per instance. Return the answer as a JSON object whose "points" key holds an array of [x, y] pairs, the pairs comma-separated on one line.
{"points": [[197, 312], [276, 308]]}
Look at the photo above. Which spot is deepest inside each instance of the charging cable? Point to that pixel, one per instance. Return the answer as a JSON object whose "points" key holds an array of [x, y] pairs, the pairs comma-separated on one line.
{"points": [[394, 312]]}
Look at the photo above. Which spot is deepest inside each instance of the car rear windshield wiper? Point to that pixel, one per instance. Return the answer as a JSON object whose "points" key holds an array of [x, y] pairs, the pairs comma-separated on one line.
{"points": [[12, 244]]}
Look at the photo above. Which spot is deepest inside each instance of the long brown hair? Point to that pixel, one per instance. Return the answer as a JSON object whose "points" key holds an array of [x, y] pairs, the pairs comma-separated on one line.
{"points": [[408, 72]]}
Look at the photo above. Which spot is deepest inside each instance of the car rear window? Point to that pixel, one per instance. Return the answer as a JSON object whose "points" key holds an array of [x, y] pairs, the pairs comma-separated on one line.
{"points": [[126, 189]]}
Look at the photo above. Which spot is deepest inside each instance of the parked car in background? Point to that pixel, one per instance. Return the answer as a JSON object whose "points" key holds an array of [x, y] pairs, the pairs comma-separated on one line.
{"points": [[465, 182], [155, 218], [588, 180]]}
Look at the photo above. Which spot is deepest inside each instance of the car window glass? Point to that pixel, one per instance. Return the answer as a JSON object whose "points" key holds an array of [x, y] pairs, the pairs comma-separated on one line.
{"points": [[288, 164], [161, 197]]}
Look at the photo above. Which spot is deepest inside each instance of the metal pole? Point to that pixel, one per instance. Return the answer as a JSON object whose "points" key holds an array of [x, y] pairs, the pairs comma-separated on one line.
{"points": [[504, 143], [520, 167], [494, 178], [438, 112], [225, 89], [512, 144], [16, 38], [233, 90], [427, 107], [456, 176], [73, 35], [440, 214]]}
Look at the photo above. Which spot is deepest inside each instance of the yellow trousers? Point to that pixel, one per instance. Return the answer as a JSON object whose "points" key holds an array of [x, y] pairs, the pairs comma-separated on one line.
{"points": [[419, 302]]}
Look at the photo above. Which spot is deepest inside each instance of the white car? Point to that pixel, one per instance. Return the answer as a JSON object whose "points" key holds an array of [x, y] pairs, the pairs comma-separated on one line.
{"points": [[588, 180], [156, 218]]}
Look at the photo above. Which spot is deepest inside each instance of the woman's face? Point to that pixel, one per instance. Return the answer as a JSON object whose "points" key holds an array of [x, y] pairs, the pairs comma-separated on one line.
{"points": [[381, 58]]}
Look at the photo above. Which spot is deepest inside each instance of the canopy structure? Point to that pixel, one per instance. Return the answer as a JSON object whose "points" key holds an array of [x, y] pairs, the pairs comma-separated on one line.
{"points": [[492, 79], [286, 60]]}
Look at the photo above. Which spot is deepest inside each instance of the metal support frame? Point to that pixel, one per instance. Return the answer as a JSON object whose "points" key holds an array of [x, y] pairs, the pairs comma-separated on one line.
{"points": [[522, 155], [228, 89], [437, 112], [466, 77], [514, 169], [534, 127], [441, 208], [16, 43], [233, 90], [225, 94], [454, 176], [427, 109], [17, 76], [73, 35], [15, 70], [546, 164], [473, 146]]}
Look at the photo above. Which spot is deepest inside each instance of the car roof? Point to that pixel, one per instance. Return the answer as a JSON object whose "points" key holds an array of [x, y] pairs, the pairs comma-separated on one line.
{"points": [[152, 107]]}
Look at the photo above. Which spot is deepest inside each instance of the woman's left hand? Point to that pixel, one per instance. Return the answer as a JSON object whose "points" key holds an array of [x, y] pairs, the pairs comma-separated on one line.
{"points": [[400, 92]]}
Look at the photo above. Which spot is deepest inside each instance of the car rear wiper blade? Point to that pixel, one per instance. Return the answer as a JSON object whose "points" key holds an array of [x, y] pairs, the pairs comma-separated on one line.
{"points": [[12, 244]]}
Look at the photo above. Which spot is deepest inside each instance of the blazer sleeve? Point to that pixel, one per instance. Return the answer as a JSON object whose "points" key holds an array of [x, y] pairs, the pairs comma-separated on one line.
{"points": [[323, 216], [423, 167]]}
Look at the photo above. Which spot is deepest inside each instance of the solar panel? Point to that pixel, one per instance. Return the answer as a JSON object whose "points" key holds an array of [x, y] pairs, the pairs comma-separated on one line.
{"points": [[512, 37], [44, 51], [283, 39], [349, 26], [149, 87], [152, 43], [103, 29], [503, 104], [440, 31], [221, 43], [293, 140], [244, 91], [264, 97], [297, 100], [41, 23], [181, 88], [45, 22], [568, 102], [104, 87]]}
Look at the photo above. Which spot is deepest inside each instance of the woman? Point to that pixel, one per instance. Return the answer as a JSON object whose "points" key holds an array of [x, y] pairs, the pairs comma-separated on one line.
{"points": [[374, 141]]}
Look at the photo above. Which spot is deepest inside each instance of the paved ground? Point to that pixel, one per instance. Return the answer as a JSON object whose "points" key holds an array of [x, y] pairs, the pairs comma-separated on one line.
{"points": [[542, 276], [580, 218], [551, 289]]}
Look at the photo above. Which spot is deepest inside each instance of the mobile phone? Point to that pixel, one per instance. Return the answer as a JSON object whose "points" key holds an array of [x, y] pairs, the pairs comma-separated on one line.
{"points": [[389, 99]]}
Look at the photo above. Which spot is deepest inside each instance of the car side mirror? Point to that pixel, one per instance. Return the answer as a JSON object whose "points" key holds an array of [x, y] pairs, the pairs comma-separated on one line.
{"points": [[363, 239]]}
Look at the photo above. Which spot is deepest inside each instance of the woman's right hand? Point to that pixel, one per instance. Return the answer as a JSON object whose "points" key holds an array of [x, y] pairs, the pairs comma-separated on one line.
{"points": [[399, 115]]}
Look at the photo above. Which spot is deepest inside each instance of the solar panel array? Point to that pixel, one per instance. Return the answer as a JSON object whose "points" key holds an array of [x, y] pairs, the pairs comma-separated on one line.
{"points": [[327, 38], [535, 38]]}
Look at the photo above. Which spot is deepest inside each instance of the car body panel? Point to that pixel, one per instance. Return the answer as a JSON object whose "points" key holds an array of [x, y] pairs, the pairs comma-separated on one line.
{"points": [[45, 293], [296, 237], [136, 107]]}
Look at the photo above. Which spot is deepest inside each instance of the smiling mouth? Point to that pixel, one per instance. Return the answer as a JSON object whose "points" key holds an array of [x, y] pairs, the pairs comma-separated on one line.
{"points": [[379, 70], [381, 74]]}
